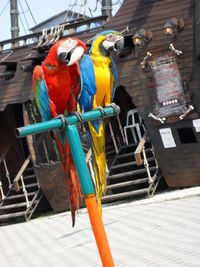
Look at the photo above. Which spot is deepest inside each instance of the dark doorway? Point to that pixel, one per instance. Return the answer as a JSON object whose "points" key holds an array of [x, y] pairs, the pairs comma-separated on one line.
{"points": [[186, 135]]}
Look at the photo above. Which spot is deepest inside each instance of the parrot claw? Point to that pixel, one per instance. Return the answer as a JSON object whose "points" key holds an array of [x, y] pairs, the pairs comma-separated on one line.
{"points": [[101, 109], [78, 115], [63, 120], [115, 107]]}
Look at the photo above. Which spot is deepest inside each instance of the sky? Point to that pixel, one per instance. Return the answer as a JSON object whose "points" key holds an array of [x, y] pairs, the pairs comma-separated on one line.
{"points": [[41, 10]]}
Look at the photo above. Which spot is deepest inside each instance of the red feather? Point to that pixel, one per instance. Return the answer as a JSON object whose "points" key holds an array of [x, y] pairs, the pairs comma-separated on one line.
{"points": [[64, 86]]}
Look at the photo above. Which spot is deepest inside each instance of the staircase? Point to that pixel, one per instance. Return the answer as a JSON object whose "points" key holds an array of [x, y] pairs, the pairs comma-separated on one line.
{"points": [[126, 179], [21, 205]]}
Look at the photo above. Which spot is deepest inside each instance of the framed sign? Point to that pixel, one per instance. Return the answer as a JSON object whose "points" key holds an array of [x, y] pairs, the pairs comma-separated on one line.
{"points": [[169, 95], [167, 137]]}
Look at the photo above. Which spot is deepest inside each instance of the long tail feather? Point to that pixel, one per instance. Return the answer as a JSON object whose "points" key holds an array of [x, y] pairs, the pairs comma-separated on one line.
{"points": [[71, 178], [99, 158]]}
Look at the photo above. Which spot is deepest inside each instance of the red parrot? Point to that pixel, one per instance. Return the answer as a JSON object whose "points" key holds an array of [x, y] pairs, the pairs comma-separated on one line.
{"points": [[57, 86]]}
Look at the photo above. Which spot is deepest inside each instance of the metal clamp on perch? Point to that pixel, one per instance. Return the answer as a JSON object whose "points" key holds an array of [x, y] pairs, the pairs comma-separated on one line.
{"points": [[190, 108], [79, 115], [162, 120], [63, 120], [57, 122], [101, 109]]}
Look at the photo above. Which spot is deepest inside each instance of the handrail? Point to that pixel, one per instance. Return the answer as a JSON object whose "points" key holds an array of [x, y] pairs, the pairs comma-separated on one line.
{"points": [[139, 149], [19, 174], [66, 26], [4, 153], [2, 159]]}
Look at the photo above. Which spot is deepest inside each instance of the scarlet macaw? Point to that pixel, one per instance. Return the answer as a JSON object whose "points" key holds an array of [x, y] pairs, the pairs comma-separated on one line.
{"points": [[98, 78], [56, 86]]}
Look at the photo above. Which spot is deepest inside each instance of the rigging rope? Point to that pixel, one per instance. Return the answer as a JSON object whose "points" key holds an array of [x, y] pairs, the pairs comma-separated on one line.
{"points": [[4, 8], [30, 12], [24, 16]]}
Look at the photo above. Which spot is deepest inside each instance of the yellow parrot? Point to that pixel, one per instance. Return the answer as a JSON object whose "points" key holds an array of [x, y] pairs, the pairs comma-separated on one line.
{"points": [[98, 84]]}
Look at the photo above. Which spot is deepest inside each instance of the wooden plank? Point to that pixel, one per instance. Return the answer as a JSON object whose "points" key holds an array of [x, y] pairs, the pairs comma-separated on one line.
{"points": [[139, 149], [197, 28], [22, 169]]}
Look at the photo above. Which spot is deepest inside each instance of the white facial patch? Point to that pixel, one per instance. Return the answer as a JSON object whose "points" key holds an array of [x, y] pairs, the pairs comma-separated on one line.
{"points": [[107, 44], [66, 46]]}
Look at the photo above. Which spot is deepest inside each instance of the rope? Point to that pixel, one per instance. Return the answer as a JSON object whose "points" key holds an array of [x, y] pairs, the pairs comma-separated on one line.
{"points": [[23, 15], [30, 12], [4, 8]]}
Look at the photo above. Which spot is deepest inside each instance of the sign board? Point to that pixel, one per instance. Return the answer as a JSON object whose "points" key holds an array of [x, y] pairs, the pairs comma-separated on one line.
{"points": [[196, 124], [169, 95], [167, 137]]}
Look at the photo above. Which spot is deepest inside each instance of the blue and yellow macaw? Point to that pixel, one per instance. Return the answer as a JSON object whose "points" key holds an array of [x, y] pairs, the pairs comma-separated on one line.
{"points": [[57, 85], [98, 84]]}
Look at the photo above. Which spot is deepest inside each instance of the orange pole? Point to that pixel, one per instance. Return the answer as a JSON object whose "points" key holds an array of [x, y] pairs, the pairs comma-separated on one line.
{"points": [[99, 231]]}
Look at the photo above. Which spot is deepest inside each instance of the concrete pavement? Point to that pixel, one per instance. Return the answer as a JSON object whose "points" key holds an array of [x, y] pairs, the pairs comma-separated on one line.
{"points": [[161, 231]]}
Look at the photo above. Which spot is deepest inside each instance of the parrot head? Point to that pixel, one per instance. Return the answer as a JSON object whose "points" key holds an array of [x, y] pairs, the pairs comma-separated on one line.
{"points": [[70, 51], [109, 41]]}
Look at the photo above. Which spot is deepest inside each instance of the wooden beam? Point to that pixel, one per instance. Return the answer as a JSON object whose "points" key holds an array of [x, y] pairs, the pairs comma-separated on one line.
{"points": [[139, 148], [197, 28], [16, 180]]}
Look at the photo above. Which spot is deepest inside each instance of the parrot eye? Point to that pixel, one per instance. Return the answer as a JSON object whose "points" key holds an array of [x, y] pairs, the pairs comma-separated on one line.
{"points": [[109, 36], [69, 41]]}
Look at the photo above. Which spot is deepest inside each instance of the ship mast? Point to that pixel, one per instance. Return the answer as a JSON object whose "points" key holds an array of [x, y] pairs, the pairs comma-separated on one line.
{"points": [[14, 19], [107, 8]]}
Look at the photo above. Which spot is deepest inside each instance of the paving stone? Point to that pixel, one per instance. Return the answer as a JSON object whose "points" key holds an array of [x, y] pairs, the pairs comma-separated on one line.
{"points": [[159, 232]]}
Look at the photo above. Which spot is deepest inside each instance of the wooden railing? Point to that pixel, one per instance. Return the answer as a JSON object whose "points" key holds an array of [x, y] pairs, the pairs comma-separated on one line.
{"points": [[140, 150], [19, 176], [3, 161], [57, 32]]}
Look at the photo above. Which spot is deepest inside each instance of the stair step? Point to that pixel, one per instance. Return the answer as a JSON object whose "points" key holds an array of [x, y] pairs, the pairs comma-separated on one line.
{"points": [[26, 186], [133, 145], [111, 152], [130, 173], [124, 195], [11, 215], [20, 196], [122, 165], [29, 176], [129, 183], [128, 146], [130, 154], [13, 206], [28, 169]]}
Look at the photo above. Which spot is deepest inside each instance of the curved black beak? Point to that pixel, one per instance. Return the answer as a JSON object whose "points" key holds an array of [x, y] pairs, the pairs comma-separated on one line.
{"points": [[65, 56], [119, 45]]}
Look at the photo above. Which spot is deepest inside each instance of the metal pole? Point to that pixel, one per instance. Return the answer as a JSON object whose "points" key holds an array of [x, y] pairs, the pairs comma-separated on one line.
{"points": [[89, 194], [14, 19], [57, 122], [107, 8], [82, 169]]}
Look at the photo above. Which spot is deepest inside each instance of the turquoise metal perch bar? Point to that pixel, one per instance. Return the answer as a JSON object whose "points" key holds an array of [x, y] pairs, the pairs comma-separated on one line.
{"points": [[57, 122], [82, 169]]}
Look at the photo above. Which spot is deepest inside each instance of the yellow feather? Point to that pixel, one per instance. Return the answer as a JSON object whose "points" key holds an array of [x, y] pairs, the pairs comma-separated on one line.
{"points": [[104, 82]]}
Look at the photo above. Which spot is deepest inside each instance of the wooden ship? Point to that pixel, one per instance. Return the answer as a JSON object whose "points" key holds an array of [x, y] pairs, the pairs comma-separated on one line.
{"points": [[158, 87]]}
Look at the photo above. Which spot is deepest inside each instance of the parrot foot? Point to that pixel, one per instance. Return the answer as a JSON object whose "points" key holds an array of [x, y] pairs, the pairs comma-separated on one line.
{"points": [[78, 114], [101, 109], [115, 107], [63, 120]]}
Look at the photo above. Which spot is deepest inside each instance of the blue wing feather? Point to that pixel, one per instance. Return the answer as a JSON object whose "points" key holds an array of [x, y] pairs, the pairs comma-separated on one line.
{"points": [[114, 71], [88, 86], [41, 94], [88, 83]]}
